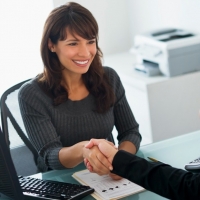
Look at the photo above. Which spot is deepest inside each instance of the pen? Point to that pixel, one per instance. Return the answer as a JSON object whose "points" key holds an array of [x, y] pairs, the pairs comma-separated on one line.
{"points": [[155, 160]]}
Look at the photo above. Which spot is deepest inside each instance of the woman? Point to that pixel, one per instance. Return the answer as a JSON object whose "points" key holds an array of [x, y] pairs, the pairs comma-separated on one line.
{"points": [[75, 98]]}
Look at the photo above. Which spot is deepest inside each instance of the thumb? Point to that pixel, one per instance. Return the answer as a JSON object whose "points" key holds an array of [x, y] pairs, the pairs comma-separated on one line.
{"points": [[92, 143]]}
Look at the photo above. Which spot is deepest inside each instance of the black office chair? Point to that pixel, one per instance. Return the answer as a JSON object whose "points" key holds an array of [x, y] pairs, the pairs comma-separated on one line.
{"points": [[23, 153]]}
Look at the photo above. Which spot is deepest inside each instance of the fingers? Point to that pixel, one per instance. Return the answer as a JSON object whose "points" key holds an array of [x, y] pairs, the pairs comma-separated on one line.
{"points": [[113, 145], [96, 142], [90, 168], [98, 161], [106, 147], [115, 177], [101, 160], [88, 165], [85, 161], [105, 162], [92, 143]]}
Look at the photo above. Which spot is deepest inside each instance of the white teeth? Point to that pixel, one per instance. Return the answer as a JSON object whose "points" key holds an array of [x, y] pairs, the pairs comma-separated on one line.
{"points": [[82, 62]]}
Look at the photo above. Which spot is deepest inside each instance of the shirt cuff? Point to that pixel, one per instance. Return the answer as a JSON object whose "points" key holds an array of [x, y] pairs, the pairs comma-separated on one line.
{"points": [[134, 138], [120, 161]]}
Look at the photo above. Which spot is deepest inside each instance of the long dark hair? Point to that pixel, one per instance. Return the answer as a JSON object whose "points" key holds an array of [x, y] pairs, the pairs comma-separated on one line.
{"points": [[79, 20]]}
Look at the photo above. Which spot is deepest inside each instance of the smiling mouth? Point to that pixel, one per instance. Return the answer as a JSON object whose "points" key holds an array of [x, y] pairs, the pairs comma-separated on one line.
{"points": [[82, 62]]}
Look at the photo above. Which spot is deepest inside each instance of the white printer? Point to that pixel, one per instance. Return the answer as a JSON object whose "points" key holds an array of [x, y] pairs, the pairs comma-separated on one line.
{"points": [[170, 52]]}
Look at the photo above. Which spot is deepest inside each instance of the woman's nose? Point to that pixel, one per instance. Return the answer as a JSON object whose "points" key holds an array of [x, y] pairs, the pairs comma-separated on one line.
{"points": [[84, 51]]}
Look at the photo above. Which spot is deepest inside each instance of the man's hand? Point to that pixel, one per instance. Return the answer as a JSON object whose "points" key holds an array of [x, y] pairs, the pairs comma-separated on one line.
{"points": [[90, 168], [106, 148], [95, 160]]}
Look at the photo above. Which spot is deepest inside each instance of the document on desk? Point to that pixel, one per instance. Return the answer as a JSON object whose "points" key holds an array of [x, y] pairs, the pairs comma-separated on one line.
{"points": [[105, 187]]}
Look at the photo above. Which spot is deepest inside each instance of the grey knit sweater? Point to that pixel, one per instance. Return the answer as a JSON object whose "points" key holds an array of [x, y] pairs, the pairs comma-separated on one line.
{"points": [[52, 127]]}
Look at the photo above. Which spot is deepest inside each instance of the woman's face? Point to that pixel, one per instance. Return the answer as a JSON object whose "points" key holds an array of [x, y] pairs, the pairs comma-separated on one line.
{"points": [[75, 53]]}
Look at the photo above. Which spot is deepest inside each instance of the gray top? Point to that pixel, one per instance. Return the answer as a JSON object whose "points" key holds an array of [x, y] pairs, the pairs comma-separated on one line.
{"points": [[52, 127]]}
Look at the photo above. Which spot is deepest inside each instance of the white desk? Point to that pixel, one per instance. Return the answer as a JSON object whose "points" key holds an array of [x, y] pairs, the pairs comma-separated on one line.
{"points": [[164, 107]]}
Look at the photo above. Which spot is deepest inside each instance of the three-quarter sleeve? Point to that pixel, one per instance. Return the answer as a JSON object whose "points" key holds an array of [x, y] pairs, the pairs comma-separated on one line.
{"points": [[39, 127], [125, 123]]}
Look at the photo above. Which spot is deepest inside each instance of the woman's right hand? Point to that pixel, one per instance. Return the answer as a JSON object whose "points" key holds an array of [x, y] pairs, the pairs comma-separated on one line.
{"points": [[95, 161]]}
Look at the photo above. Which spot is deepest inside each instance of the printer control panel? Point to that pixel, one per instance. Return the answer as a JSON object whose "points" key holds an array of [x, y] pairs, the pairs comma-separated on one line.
{"points": [[171, 34]]}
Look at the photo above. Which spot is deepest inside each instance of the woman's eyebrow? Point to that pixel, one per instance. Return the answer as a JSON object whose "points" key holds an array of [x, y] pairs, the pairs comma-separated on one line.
{"points": [[75, 39], [71, 40]]}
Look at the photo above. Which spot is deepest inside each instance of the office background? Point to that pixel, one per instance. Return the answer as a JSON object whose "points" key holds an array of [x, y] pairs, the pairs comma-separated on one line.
{"points": [[21, 25], [119, 21]]}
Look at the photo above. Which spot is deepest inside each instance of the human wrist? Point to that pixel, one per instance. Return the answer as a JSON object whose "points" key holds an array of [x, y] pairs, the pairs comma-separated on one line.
{"points": [[128, 146], [112, 155], [84, 149]]}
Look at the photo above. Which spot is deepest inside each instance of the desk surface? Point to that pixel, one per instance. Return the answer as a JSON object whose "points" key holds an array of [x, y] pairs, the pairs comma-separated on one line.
{"points": [[175, 151]]}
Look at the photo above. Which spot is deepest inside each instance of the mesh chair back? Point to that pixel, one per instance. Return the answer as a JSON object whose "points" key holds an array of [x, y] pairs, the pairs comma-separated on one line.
{"points": [[12, 121]]}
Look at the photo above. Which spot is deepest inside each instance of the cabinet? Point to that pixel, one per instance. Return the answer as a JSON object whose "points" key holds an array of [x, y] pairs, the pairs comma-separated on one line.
{"points": [[164, 107]]}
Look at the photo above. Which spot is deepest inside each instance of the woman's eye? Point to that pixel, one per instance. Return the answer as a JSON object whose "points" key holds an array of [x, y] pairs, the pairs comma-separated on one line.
{"points": [[92, 42], [73, 44]]}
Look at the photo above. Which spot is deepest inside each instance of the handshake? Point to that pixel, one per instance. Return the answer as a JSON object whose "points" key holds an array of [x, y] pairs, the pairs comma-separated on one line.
{"points": [[160, 178], [108, 150]]}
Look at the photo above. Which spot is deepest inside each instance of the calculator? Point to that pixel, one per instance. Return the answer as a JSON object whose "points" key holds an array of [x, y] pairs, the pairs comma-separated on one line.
{"points": [[193, 166]]}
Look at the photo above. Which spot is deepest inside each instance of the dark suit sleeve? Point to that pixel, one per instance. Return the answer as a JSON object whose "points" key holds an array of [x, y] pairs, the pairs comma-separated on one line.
{"points": [[157, 177]]}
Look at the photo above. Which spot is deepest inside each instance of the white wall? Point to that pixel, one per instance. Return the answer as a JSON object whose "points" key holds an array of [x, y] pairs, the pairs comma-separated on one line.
{"points": [[113, 20], [120, 20], [190, 15], [154, 14], [21, 24]]}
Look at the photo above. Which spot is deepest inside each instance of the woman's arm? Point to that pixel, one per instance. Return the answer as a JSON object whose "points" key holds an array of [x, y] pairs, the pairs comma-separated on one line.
{"points": [[125, 123], [128, 129], [72, 156], [127, 146], [43, 135]]}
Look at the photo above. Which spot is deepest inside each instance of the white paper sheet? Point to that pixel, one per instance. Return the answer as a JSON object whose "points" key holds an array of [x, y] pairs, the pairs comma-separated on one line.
{"points": [[105, 187]]}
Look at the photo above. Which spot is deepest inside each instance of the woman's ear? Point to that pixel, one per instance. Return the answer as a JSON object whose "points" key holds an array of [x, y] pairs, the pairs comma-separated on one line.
{"points": [[51, 45]]}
